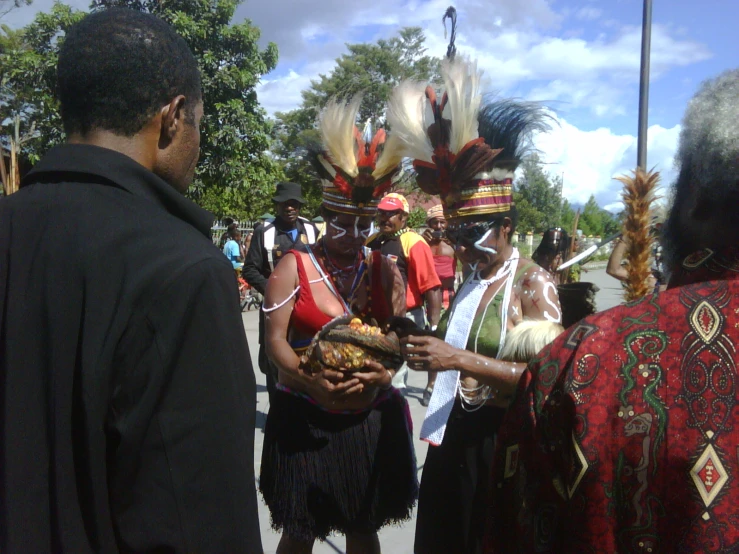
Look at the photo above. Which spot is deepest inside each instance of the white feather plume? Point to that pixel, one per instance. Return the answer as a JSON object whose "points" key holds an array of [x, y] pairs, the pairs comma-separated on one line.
{"points": [[462, 84], [336, 124], [405, 115]]}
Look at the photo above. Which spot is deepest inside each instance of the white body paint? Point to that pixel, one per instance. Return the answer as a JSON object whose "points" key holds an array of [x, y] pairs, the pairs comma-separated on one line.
{"points": [[557, 317]]}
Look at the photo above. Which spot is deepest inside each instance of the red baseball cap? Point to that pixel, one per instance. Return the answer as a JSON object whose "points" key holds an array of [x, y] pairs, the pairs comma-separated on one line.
{"points": [[392, 202]]}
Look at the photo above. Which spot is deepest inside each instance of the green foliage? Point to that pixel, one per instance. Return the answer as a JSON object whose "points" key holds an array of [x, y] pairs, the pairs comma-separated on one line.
{"points": [[417, 218], [538, 198], [235, 175], [28, 79], [372, 69], [596, 221]]}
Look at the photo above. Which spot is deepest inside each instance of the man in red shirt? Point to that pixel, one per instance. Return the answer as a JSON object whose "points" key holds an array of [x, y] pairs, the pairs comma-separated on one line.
{"points": [[414, 260], [623, 436]]}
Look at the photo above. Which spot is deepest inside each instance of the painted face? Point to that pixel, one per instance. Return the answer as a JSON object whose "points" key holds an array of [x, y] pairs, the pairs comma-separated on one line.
{"points": [[345, 234], [483, 240]]}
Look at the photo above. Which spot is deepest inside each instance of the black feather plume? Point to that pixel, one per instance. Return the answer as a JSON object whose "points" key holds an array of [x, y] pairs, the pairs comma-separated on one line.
{"points": [[313, 153], [510, 125]]}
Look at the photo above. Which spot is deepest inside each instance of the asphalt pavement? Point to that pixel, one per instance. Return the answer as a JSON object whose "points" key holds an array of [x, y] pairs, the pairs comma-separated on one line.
{"points": [[394, 539]]}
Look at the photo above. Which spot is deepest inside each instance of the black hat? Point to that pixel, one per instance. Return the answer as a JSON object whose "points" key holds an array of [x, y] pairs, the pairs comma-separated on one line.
{"points": [[288, 191]]}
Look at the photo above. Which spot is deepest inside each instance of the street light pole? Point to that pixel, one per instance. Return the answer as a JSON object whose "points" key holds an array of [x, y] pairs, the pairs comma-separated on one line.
{"points": [[646, 45]]}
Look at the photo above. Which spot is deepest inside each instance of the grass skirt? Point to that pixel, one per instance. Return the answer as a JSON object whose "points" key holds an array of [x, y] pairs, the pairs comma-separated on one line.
{"points": [[325, 472]]}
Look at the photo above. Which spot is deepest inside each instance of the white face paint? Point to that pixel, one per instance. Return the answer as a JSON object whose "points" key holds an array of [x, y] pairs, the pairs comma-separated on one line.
{"points": [[340, 231], [487, 249], [357, 232]]}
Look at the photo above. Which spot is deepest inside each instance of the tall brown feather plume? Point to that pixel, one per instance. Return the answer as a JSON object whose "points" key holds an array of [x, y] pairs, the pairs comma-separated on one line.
{"points": [[638, 194]]}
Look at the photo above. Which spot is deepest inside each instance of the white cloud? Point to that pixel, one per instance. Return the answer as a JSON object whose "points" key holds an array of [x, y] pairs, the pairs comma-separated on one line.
{"points": [[588, 13], [589, 160]]}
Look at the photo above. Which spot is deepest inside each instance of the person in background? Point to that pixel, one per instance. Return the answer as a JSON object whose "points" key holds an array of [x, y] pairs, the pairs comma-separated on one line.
{"points": [[553, 250], [617, 265], [623, 435], [270, 241], [415, 262], [127, 393], [445, 263], [233, 248], [227, 221]]}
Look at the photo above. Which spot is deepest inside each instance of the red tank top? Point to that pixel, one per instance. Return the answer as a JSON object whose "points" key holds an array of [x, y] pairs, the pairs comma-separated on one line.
{"points": [[307, 316], [444, 266]]}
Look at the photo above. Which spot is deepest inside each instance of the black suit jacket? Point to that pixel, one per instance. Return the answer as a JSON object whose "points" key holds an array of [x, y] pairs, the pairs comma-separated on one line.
{"points": [[127, 393]]}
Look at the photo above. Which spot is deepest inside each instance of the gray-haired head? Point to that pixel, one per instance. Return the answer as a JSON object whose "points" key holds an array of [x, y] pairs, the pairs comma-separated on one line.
{"points": [[706, 193], [709, 141]]}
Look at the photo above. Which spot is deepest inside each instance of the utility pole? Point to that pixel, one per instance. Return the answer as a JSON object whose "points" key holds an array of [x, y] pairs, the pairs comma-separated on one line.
{"points": [[646, 45]]}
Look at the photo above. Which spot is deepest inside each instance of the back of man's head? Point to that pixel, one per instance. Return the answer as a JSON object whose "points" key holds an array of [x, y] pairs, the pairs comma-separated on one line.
{"points": [[703, 213], [117, 68], [708, 155]]}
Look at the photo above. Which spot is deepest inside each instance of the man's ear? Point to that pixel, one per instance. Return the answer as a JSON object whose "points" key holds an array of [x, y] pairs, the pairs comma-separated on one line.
{"points": [[506, 226], [173, 119]]}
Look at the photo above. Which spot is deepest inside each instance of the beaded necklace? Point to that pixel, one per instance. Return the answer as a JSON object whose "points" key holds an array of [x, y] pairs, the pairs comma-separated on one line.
{"points": [[361, 267]]}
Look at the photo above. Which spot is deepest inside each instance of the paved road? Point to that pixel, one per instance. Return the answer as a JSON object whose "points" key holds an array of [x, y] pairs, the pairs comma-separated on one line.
{"points": [[394, 540]]}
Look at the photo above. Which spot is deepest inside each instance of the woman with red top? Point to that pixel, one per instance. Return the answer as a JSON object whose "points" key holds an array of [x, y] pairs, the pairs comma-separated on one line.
{"points": [[338, 453]]}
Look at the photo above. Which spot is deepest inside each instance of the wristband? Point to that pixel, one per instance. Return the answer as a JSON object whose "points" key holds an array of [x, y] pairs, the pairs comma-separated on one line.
{"points": [[390, 384]]}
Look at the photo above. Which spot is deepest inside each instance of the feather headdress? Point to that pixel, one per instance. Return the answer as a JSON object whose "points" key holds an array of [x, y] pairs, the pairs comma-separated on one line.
{"points": [[463, 151], [357, 168]]}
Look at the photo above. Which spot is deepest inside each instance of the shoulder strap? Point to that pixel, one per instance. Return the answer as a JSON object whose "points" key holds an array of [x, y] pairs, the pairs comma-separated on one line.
{"points": [[310, 230], [269, 244], [327, 279]]}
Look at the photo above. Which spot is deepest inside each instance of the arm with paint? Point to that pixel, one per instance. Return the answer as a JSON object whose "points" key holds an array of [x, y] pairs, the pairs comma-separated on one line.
{"points": [[433, 354], [539, 298]]}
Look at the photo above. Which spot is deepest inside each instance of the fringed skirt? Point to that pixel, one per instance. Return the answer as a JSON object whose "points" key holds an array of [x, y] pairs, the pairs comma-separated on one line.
{"points": [[325, 472]]}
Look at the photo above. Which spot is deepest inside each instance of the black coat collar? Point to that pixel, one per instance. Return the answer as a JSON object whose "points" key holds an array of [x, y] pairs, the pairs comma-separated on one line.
{"points": [[93, 164]]}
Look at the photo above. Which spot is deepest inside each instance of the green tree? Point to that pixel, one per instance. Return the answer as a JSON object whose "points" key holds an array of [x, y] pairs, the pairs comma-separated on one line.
{"points": [[235, 175], [567, 220], [538, 197], [596, 221], [372, 69]]}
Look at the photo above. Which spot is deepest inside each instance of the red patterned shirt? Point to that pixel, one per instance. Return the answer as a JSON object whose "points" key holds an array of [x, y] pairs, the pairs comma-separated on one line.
{"points": [[624, 436]]}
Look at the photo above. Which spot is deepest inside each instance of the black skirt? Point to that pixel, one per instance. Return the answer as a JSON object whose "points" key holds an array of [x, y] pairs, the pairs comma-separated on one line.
{"points": [[324, 472], [453, 501]]}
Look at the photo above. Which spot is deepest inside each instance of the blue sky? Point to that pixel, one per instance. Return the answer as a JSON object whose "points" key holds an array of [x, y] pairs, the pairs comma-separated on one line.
{"points": [[579, 57]]}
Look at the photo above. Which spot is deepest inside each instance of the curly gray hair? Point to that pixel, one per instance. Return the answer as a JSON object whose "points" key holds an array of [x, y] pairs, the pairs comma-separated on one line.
{"points": [[707, 156]]}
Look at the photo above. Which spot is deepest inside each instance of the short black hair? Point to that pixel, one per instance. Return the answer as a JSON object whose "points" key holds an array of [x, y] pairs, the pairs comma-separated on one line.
{"points": [[118, 67]]}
